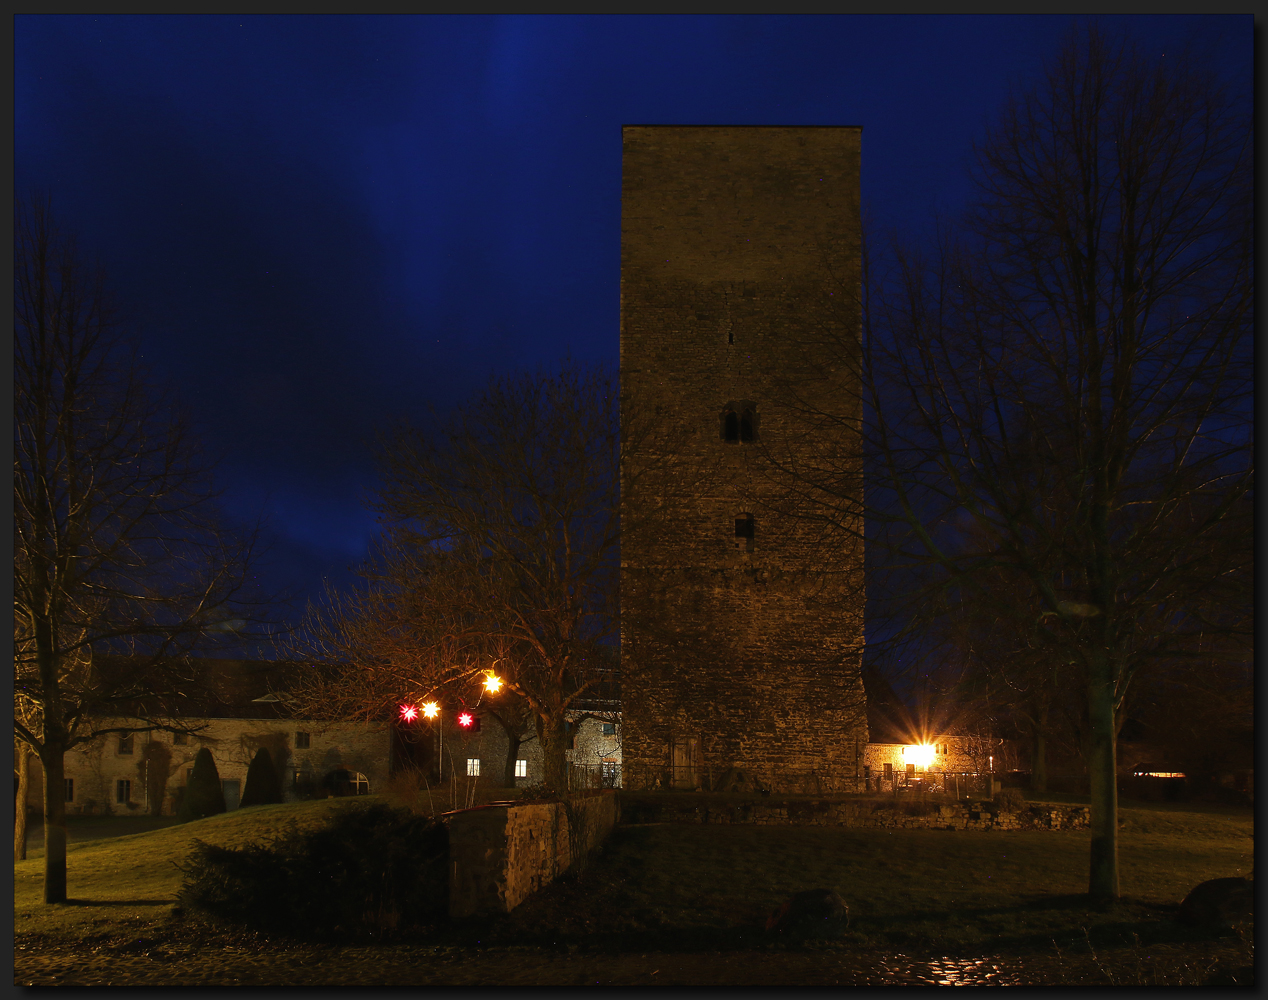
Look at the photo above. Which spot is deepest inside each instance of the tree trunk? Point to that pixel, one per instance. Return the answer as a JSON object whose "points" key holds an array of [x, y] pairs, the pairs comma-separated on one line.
{"points": [[54, 822], [1039, 750], [1102, 783], [19, 814], [513, 742], [554, 742]]}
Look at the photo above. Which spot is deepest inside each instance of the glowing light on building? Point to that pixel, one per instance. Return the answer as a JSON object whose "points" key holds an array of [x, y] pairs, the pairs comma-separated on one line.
{"points": [[492, 683], [431, 710], [465, 719], [409, 713], [921, 754]]}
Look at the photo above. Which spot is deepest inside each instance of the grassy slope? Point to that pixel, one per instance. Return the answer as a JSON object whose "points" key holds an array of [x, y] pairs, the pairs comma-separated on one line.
{"points": [[666, 885]]}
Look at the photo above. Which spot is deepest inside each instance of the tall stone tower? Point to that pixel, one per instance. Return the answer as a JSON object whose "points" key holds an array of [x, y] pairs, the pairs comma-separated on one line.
{"points": [[741, 557]]}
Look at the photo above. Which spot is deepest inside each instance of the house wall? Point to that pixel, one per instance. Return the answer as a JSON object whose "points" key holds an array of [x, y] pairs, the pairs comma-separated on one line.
{"points": [[739, 271], [965, 754], [96, 766]]}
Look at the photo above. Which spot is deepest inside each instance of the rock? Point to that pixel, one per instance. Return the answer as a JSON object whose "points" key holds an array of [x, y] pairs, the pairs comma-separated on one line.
{"points": [[814, 912], [1220, 902]]}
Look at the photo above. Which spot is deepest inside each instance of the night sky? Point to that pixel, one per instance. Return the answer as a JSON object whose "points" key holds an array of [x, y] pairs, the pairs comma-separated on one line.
{"points": [[318, 224]]}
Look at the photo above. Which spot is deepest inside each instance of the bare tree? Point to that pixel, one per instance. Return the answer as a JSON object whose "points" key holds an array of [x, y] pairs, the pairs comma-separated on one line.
{"points": [[1062, 393], [500, 552], [117, 546]]}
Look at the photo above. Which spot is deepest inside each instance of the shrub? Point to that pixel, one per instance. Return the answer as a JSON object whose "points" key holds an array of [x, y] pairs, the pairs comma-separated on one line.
{"points": [[1010, 800], [263, 788], [371, 872], [204, 795]]}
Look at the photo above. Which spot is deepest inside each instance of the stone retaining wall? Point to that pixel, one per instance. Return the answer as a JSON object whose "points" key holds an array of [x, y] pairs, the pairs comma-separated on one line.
{"points": [[885, 813], [502, 853]]}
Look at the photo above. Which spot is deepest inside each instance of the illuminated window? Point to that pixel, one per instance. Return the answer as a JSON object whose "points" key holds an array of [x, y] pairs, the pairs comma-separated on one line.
{"points": [[125, 744], [123, 791], [521, 768], [301, 741], [473, 767], [70, 789], [180, 739]]}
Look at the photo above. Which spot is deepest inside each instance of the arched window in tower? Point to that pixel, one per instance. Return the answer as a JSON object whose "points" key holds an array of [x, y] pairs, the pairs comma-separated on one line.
{"points": [[746, 425], [730, 427]]}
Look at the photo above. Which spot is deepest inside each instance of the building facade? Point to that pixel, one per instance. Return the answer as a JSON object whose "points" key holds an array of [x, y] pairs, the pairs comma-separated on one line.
{"points": [[741, 560]]}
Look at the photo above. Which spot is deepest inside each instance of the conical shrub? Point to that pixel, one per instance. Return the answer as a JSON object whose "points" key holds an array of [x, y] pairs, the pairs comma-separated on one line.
{"points": [[204, 795], [263, 788]]}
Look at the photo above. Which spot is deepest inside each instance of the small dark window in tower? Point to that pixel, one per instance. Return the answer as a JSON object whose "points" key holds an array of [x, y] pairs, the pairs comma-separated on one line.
{"points": [[744, 530], [731, 427], [746, 426]]}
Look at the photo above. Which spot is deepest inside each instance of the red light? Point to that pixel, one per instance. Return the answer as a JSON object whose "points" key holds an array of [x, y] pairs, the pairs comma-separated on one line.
{"points": [[409, 713], [465, 719]]}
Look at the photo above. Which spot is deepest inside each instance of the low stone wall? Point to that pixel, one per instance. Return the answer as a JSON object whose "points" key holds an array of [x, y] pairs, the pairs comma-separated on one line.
{"points": [[886, 813], [502, 853]]}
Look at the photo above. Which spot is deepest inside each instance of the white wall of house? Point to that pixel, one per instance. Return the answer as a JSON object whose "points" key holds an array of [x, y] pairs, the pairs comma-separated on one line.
{"points": [[96, 769]]}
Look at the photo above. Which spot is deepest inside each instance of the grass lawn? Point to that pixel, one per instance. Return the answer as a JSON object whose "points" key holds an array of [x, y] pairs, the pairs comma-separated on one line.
{"points": [[679, 889]]}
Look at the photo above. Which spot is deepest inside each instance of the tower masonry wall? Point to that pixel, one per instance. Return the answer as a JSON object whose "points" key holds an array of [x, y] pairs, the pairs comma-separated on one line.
{"points": [[742, 601]]}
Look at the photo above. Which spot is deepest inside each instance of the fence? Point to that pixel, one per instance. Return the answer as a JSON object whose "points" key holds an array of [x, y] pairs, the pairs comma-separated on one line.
{"points": [[601, 774], [792, 781]]}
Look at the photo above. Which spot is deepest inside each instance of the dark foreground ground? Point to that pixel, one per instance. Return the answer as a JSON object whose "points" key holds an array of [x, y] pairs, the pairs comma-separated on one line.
{"points": [[168, 961]]}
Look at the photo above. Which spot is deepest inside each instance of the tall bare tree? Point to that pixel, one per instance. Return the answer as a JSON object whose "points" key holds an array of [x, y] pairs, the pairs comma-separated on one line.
{"points": [[1062, 391], [117, 544], [500, 551]]}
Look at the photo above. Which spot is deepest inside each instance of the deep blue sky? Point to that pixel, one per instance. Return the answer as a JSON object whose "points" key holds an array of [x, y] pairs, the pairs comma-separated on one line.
{"points": [[319, 223]]}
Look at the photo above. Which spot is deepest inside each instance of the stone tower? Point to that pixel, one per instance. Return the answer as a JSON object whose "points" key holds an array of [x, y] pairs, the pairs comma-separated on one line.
{"points": [[741, 600]]}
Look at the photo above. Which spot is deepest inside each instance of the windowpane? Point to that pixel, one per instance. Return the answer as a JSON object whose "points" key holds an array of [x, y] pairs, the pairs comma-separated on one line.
{"points": [[125, 744], [123, 791], [609, 729], [521, 769], [731, 428], [301, 741], [473, 767], [180, 739], [70, 789]]}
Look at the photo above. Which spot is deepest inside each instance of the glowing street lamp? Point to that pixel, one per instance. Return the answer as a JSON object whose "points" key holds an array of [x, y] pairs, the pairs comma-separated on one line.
{"points": [[430, 710], [492, 683]]}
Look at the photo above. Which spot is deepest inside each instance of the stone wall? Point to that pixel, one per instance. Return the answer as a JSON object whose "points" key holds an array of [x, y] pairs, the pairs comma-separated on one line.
{"points": [[739, 285], [885, 813], [501, 854]]}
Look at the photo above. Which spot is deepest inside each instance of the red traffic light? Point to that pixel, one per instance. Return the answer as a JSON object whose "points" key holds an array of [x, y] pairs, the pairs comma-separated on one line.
{"points": [[409, 713], [465, 720]]}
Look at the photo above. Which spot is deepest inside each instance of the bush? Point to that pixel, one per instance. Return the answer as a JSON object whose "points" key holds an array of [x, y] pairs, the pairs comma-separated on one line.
{"points": [[263, 788], [372, 872], [1010, 800], [204, 795]]}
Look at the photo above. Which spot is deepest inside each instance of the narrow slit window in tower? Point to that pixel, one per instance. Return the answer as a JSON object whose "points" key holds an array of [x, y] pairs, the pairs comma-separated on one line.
{"points": [[731, 427], [746, 426]]}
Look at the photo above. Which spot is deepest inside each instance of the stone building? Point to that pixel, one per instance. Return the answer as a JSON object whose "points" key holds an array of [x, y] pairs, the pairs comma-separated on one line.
{"points": [[146, 772], [741, 603]]}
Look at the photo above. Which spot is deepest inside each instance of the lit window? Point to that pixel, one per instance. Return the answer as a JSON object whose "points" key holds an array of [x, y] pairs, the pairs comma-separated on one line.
{"points": [[123, 791], [301, 741], [125, 745], [70, 789], [609, 729], [521, 768], [473, 767]]}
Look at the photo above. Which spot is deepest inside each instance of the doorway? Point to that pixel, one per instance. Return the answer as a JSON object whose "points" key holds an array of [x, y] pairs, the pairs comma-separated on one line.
{"points": [[686, 762]]}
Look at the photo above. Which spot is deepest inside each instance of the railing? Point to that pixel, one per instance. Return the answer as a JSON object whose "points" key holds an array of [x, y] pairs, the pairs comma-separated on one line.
{"points": [[601, 774], [792, 781]]}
